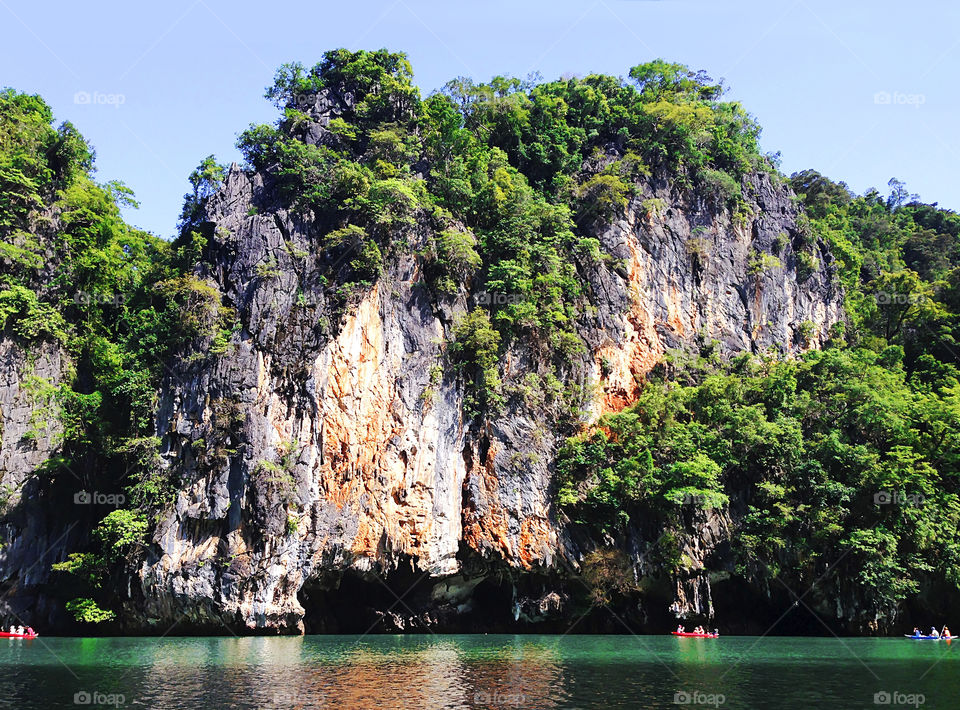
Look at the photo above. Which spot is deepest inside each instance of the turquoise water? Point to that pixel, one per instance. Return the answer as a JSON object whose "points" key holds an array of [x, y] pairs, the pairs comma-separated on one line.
{"points": [[478, 672]]}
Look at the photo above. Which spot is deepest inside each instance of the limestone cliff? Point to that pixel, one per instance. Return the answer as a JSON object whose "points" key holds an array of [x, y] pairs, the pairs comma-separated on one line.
{"points": [[327, 449]]}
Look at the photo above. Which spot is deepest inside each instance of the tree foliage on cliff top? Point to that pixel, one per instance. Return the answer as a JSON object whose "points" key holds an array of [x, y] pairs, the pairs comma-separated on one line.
{"points": [[528, 168]]}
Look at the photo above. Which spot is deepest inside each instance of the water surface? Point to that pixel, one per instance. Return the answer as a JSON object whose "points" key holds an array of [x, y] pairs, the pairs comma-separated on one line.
{"points": [[478, 672]]}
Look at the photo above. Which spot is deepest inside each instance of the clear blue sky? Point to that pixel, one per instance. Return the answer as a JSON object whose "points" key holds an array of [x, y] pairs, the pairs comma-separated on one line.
{"points": [[191, 73]]}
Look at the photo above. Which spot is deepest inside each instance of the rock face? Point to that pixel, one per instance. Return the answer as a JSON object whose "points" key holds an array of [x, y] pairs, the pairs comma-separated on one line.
{"points": [[336, 458], [325, 459], [692, 273], [31, 431], [30, 427]]}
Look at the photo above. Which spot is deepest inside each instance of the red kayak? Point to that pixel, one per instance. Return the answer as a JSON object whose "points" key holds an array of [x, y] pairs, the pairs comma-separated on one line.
{"points": [[690, 634], [6, 635]]}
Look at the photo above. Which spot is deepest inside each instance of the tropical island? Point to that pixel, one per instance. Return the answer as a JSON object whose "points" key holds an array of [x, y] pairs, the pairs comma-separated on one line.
{"points": [[508, 357]]}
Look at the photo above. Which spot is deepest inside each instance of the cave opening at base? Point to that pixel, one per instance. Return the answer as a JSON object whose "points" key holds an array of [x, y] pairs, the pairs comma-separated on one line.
{"points": [[404, 600]]}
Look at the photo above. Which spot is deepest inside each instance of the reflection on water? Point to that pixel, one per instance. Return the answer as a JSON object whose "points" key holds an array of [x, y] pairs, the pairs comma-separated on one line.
{"points": [[473, 672], [389, 672]]}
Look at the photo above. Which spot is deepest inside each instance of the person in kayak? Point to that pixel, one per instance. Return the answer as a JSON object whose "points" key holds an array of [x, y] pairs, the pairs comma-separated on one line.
{"points": [[916, 632], [946, 631], [935, 633], [680, 629]]}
